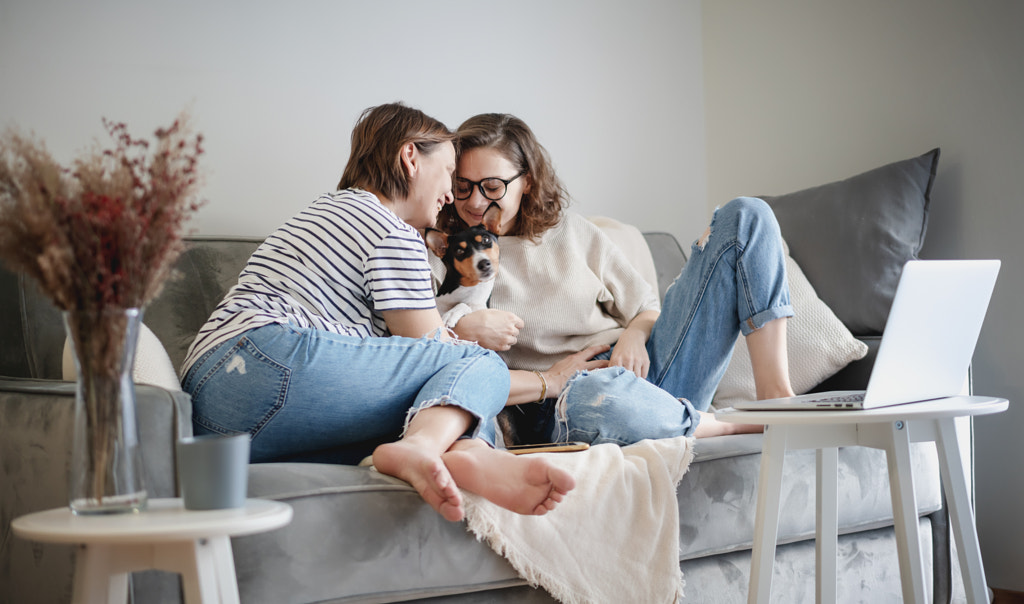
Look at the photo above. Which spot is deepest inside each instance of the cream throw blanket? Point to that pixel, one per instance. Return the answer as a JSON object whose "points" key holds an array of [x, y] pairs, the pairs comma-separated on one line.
{"points": [[615, 537]]}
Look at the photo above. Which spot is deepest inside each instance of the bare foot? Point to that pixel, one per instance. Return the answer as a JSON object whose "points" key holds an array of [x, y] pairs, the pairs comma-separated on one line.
{"points": [[710, 426], [523, 484], [425, 472]]}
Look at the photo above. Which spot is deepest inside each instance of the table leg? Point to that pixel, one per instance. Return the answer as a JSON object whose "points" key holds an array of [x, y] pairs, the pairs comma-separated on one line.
{"points": [[766, 522], [98, 577], [904, 510], [827, 524], [205, 575], [206, 566], [227, 582], [960, 514]]}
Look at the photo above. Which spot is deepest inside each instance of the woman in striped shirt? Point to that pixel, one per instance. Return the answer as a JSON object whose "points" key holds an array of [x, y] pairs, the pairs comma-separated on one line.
{"points": [[330, 347]]}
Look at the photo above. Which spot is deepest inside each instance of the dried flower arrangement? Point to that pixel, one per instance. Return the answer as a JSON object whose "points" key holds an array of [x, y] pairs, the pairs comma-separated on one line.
{"points": [[99, 238]]}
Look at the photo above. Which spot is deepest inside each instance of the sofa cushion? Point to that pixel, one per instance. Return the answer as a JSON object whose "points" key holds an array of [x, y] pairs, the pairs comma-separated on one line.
{"points": [[669, 258], [353, 527], [852, 237], [354, 533], [819, 346]]}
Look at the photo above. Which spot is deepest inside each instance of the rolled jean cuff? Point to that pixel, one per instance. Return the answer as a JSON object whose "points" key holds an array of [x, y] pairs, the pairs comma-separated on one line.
{"points": [[478, 429], [694, 416], [757, 321]]}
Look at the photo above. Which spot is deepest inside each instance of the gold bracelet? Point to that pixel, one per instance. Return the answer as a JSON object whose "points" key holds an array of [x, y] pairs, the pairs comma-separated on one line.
{"points": [[543, 386]]}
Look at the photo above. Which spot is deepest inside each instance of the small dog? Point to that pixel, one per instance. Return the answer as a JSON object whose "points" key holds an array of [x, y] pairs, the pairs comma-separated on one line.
{"points": [[471, 261]]}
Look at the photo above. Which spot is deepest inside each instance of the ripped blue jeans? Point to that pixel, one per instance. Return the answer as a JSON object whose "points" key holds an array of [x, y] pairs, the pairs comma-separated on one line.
{"points": [[733, 283], [307, 394]]}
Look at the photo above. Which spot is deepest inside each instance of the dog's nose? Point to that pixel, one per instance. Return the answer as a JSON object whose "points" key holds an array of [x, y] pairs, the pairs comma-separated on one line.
{"points": [[484, 265]]}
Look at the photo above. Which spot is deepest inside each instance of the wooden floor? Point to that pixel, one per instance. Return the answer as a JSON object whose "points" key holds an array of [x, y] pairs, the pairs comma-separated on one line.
{"points": [[1002, 596]]}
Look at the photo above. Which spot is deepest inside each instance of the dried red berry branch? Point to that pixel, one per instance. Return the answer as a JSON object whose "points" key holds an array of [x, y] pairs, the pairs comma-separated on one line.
{"points": [[99, 238]]}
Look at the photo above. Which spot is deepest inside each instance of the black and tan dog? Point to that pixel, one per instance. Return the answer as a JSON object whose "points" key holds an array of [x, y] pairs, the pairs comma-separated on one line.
{"points": [[471, 261]]}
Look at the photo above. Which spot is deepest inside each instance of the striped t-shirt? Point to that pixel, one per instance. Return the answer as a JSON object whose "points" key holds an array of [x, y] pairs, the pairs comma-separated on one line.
{"points": [[334, 266]]}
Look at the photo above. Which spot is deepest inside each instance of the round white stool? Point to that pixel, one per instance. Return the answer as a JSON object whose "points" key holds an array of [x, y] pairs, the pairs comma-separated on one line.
{"points": [[164, 536]]}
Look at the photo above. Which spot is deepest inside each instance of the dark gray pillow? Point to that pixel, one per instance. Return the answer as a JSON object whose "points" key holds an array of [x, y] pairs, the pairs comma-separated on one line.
{"points": [[852, 237]]}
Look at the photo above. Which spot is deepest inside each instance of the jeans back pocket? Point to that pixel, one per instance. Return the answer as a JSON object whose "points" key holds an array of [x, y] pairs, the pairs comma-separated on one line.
{"points": [[239, 390]]}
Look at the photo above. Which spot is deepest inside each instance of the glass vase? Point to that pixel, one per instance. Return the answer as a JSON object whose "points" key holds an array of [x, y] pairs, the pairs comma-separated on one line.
{"points": [[106, 459]]}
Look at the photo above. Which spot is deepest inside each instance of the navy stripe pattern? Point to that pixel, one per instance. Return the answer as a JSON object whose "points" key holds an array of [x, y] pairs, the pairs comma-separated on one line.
{"points": [[334, 266]]}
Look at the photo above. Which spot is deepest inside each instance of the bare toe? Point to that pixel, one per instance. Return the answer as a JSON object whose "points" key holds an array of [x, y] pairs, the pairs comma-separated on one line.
{"points": [[523, 484], [425, 473]]}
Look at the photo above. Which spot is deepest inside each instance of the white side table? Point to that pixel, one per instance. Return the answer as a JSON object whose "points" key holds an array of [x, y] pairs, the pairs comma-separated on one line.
{"points": [[891, 429], [165, 536]]}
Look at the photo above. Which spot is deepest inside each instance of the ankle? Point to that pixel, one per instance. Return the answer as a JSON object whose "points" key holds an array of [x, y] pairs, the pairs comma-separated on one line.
{"points": [[781, 389]]}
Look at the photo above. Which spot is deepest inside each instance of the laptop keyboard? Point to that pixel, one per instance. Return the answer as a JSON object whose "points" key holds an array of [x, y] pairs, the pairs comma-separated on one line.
{"points": [[838, 399]]}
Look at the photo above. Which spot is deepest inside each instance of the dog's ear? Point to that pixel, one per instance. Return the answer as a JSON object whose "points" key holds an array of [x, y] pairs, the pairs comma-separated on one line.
{"points": [[492, 218], [436, 241]]}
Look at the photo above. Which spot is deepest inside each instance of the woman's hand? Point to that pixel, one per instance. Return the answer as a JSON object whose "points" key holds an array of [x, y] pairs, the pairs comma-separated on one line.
{"points": [[631, 352], [561, 371], [491, 328]]}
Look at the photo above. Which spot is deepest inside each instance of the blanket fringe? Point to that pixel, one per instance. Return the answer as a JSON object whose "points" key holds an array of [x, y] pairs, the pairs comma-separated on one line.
{"points": [[487, 530]]}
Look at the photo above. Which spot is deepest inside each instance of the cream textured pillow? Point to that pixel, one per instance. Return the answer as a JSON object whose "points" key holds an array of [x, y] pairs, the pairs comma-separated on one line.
{"points": [[819, 345], [632, 243], [152, 364]]}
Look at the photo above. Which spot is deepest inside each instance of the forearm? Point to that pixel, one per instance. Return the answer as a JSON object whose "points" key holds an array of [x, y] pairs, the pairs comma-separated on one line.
{"points": [[414, 323], [535, 386], [643, 323], [529, 387]]}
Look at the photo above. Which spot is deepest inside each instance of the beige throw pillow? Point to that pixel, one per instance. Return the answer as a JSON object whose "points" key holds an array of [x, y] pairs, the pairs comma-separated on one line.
{"points": [[819, 345], [152, 364], [632, 243]]}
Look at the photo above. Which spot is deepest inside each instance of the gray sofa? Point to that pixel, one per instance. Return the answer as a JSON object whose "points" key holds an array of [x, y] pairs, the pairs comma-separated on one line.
{"points": [[358, 536]]}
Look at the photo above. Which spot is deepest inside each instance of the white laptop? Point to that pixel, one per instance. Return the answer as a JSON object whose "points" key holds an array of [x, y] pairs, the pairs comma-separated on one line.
{"points": [[929, 339]]}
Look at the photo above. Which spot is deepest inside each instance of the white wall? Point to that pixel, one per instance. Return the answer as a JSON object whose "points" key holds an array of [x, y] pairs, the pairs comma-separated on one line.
{"points": [[803, 92], [612, 90]]}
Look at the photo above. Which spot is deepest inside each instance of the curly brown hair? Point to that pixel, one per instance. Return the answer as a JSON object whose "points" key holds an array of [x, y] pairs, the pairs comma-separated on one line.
{"points": [[542, 207]]}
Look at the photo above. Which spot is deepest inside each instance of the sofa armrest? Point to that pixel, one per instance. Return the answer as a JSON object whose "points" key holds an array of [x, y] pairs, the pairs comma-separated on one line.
{"points": [[36, 419]]}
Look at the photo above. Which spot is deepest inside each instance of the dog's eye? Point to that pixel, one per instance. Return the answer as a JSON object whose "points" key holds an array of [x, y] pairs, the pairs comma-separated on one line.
{"points": [[460, 252]]}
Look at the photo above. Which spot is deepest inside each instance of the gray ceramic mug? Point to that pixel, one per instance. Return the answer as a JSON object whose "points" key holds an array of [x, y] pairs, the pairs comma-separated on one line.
{"points": [[213, 471]]}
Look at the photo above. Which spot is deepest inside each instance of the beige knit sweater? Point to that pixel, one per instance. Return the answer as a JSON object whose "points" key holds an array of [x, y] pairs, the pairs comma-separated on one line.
{"points": [[573, 289]]}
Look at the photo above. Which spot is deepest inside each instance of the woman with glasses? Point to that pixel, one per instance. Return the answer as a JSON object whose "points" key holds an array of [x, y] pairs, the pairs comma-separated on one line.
{"points": [[330, 347], [567, 300]]}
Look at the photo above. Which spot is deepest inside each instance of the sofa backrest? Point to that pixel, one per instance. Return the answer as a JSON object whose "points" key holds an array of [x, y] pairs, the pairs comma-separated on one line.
{"points": [[210, 266], [32, 329], [207, 269]]}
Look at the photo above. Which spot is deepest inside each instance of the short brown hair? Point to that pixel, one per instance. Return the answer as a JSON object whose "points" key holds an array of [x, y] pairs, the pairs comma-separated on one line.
{"points": [[377, 140], [542, 207]]}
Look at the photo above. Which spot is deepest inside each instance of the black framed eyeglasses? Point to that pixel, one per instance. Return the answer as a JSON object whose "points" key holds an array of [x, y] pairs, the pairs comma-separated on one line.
{"points": [[493, 188]]}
